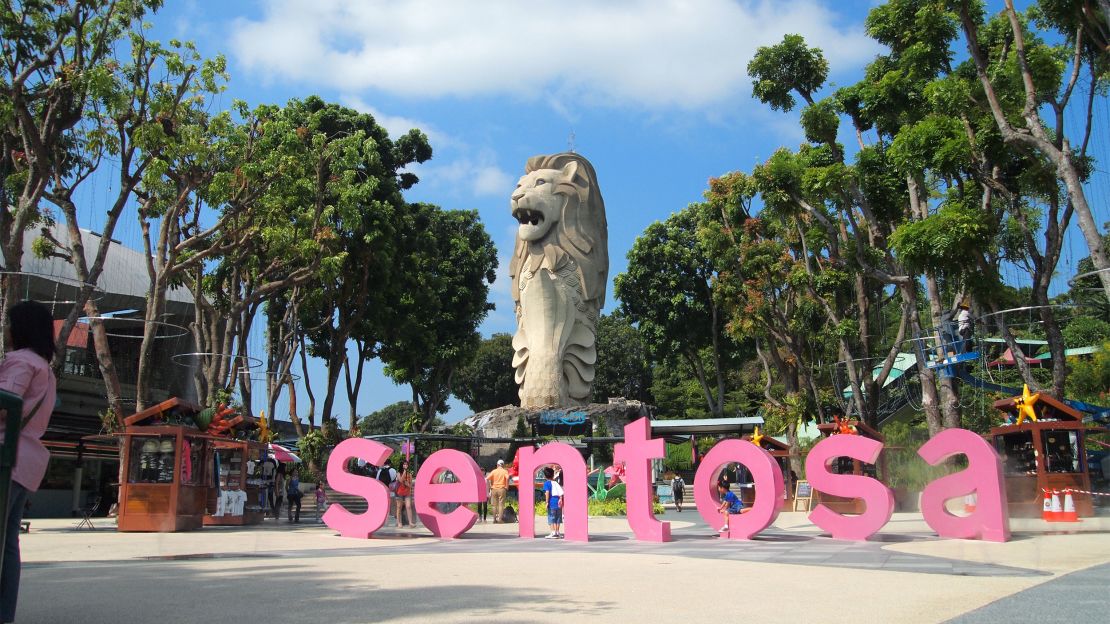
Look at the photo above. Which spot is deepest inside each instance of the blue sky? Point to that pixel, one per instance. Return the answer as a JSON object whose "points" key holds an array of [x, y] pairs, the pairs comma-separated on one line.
{"points": [[654, 92]]}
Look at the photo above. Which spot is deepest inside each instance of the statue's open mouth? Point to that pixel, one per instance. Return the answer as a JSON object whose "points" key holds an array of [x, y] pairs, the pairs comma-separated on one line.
{"points": [[525, 216]]}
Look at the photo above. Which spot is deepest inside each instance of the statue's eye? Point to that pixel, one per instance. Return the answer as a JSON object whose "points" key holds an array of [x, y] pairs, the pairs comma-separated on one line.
{"points": [[541, 182]]}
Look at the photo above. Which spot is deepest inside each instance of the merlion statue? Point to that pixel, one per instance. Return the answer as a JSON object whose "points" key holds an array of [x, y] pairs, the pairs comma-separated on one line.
{"points": [[559, 269]]}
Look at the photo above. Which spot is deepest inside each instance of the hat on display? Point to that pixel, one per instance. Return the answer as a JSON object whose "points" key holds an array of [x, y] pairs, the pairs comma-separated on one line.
{"points": [[150, 446], [166, 446]]}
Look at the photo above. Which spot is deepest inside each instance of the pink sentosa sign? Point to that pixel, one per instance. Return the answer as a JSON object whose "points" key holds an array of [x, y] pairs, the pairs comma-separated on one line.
{"points": [[990, 520]]}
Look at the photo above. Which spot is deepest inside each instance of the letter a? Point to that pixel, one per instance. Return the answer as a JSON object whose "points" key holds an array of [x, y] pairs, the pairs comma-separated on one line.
{"points": [[991, 519]]}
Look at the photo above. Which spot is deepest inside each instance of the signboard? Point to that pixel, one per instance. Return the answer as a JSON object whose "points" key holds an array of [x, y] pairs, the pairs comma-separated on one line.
{"points": [[803, 492], [553, 417]]}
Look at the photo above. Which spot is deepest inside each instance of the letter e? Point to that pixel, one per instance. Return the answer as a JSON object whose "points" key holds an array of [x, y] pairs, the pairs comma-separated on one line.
{"points": [[470, 488]]}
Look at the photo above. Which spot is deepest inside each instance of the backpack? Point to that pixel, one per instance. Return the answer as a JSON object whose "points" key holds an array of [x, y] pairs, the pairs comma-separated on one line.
{"points": [[385, 475]]}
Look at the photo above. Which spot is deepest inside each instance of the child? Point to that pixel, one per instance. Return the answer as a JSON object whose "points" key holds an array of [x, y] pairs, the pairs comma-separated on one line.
{"points": [[730, 504], [553, 494], [321, 500]]}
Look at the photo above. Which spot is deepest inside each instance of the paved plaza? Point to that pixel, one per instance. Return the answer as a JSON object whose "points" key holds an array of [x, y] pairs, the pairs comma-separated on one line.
{"points": [[790, 573]]}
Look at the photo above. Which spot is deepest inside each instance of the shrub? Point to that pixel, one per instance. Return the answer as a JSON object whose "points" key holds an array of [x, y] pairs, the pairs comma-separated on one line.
{"points": [[607, 507]]}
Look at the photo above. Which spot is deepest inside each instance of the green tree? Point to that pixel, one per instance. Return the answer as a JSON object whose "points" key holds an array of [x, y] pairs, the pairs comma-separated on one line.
{"points": [[788, 67], [389, 419], [449, 263], [59, 58], [668, 292], [487, 381], [1022, 123], [623, 369], [362, 187]]}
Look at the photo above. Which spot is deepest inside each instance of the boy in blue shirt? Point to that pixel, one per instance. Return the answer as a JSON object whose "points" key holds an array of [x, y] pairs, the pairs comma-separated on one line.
{"points": [[730, 504], [553, 494]]}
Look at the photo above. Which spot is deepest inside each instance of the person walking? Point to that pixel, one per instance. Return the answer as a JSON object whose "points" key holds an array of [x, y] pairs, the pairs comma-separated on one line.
{"points": [[26, 372], [402, 496], [293, 491], [388, 476], [279, 490], [321, 501], [498, 479], [678, 490]]}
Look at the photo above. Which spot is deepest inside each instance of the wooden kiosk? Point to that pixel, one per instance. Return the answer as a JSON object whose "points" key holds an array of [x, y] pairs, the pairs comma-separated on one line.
{"points": [[1046, 454], [172, 479], [781, 452], [165, 482], [847, 465]]}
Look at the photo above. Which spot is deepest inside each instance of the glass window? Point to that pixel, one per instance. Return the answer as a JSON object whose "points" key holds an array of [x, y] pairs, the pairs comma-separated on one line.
{"points": [[1061, 451], [1018, 455], [59, 474], [151, 459]]}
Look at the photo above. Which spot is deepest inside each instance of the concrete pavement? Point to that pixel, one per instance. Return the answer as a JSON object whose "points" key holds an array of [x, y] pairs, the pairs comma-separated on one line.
{"points": [[305, 573]]}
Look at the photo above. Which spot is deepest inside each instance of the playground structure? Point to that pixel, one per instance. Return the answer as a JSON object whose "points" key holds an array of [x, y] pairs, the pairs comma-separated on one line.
{"points": [[970, 361], [1044, 454]]}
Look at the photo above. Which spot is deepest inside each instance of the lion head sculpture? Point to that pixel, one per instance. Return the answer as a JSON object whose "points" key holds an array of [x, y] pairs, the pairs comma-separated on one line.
{"points": [[559, 206]]}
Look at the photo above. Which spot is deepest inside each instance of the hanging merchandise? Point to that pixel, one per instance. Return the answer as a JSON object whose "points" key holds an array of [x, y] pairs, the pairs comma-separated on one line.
{"points": [[186, 461], [148, 455], [165, 461]]}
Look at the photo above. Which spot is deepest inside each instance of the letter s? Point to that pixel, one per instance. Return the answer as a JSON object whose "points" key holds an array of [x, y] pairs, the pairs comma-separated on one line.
{"points": [[877, 498], [337, 517]]}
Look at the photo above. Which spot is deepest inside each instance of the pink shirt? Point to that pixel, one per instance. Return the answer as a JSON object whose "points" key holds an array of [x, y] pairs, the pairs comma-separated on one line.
{"points": [[24, 373]]}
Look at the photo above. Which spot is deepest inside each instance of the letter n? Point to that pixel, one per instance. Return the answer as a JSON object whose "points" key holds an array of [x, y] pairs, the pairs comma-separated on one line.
{"points": [[574, 489]]}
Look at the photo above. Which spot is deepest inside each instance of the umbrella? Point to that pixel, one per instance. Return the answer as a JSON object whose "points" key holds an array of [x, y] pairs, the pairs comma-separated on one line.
{"points": [[283, 454]]}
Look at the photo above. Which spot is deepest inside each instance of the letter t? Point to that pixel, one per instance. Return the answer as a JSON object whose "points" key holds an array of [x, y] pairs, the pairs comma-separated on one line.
{"points": [[637, 451]]}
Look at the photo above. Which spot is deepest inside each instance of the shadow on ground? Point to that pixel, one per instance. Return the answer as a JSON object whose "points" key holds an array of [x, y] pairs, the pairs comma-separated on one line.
{"points": [[172, 592]]}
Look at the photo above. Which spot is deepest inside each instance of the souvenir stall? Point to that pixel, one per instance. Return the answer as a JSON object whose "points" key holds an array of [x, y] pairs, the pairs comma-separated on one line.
{"points": [[781, 452], [171, 473], [847, 465], [1042, 448], [165, 481]]}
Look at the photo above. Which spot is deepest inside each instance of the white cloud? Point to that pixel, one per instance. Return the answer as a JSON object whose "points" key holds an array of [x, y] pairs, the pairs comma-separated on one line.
{"points": [[475, 172], [396, 125], [654, 53]]}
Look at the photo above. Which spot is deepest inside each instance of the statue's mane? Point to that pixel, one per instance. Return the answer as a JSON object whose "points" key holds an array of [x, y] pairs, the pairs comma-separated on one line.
{"points": [[582, 230]]}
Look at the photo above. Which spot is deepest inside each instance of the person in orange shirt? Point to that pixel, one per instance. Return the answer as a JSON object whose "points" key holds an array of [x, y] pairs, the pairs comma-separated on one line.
{"points": [[499, 488]]}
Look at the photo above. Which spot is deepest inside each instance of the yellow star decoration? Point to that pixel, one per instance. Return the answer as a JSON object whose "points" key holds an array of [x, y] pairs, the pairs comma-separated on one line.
{"points": [[1025, 403], [757, 437], [263, 428]]}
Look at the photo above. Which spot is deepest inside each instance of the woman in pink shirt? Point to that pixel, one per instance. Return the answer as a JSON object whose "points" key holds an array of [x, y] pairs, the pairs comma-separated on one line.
{"points": [[26, 372]]}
